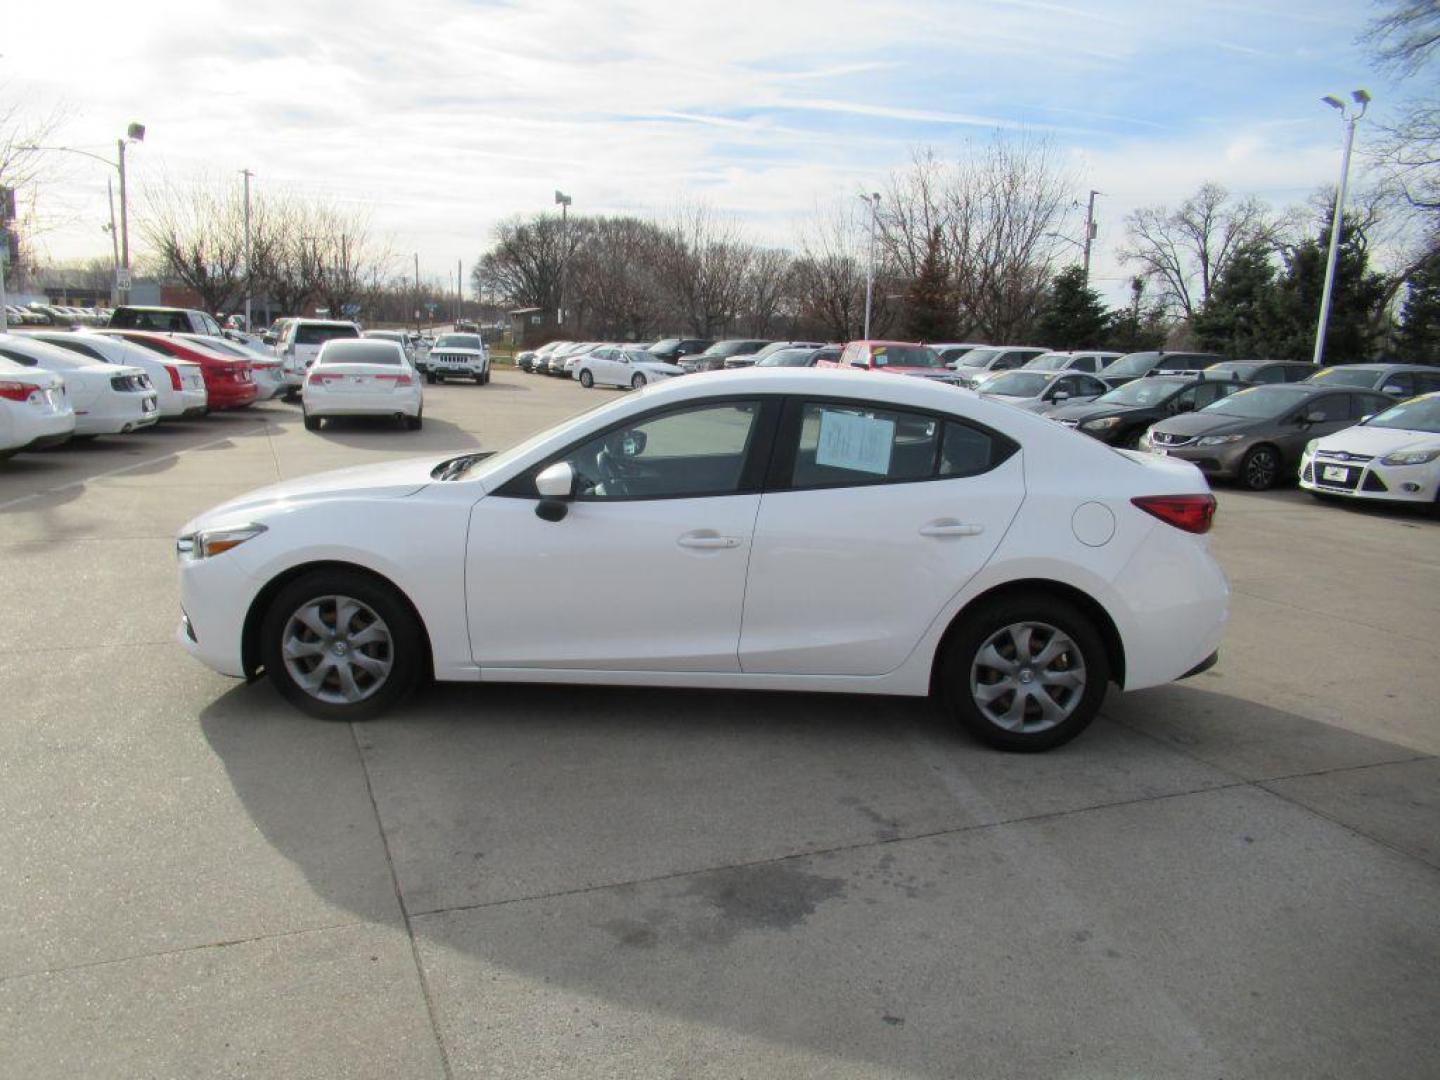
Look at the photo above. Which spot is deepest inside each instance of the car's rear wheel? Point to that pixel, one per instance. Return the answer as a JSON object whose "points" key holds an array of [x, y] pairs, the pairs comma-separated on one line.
{"points": [[414, 423], [312, 423], [1260, 468], [341, 645], [637, 382], [586, 379], [1026, 672]]}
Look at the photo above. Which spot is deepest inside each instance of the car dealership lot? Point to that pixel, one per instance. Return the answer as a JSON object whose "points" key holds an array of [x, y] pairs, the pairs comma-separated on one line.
{"points": [[1236, 875]]}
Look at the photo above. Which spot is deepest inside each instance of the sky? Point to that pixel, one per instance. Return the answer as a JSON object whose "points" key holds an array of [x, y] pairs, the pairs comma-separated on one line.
{"points": [[445, 116]]}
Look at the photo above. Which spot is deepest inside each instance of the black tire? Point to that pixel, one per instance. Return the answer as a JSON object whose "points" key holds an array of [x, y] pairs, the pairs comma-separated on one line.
{"points": [[637, 382], [430, 377], [414, 423], [964, 645], [586, 379], [1260, 468], [312, 423], [480, 379], [407, 642]]}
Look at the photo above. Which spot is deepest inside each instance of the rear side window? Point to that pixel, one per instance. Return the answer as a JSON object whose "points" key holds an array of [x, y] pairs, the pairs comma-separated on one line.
{"points": [[1331, 406], [77, 347], [1401, 382], [311, 334], [1363, 405], [848, 444], [1428, 382]]}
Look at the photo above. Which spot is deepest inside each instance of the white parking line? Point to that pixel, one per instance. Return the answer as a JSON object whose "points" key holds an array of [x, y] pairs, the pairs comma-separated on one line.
{"points": [[128, 468]]}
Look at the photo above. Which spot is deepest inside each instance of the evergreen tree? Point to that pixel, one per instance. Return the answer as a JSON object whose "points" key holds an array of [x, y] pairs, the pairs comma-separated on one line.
{"points": [[1137, 328], [1237, 317], [929, 301], [1074, 316], [1356, 306], [1419, 337]]}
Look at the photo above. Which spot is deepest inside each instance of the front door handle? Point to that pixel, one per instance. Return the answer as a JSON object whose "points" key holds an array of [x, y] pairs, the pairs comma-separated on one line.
{"points": [[708, 540], [950, 527]]}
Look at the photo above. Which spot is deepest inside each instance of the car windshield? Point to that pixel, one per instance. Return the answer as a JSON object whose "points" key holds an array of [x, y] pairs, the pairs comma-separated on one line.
{"points": [[1232, 371], [1050, 361], [978, 358], [1139, 392], [639, 356], [1135, 363], [457, 341], [732, 348], [1339, 376], [788, 358], [1259, 402], [904, 356], [1018, 384], [385, 335], [1418, 414], [318, 334], [665, 343], [361, 352]]}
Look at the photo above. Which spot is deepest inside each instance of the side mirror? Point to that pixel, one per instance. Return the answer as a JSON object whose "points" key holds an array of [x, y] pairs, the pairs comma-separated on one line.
{"points": [[1060, 395], [556, 486], [1391, 388], [1315, 417], [1367, 418]]}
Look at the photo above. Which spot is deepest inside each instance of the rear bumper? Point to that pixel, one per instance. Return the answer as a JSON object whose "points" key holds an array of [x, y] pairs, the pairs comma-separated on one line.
{"points": [[230, 395], [334, 403]]}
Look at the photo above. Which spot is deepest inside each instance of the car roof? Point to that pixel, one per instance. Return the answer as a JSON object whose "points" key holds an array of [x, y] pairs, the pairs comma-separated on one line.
{"points": [[1380, 366]]}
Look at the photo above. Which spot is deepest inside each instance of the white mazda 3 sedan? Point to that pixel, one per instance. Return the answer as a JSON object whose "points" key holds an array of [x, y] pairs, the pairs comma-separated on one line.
{"points": [[763, 528], [1393, 456], [362, 377], [108, 399]]}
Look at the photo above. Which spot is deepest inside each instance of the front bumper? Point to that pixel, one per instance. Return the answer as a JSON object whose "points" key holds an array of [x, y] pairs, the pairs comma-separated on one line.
{"points": [[1370, 479], [1220, 462]]}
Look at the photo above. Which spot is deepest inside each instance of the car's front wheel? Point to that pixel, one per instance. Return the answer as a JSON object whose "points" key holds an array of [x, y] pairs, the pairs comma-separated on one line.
{"points": [[637, 382], [1026, 672], [430, 377], [1260, 468], [342, 645], [586, 379]]}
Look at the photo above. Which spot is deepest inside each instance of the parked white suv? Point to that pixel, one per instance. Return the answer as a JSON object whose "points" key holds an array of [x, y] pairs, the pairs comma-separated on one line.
{"points": [[301, 343], [458, 356]]}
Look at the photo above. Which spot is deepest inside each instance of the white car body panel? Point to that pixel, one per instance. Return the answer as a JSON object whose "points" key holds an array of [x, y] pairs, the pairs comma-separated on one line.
{"points": [[45, 417], [189, 400], [1160, 586], [267, 369], [362, 390], [618, 367]]}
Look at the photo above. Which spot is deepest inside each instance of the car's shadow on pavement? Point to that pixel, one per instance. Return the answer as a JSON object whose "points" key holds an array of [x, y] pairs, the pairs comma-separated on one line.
{"points": [[367, 431], [798, 869]]}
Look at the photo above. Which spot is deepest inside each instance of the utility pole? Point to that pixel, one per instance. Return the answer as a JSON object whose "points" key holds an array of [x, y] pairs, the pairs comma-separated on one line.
{"points": [[114, 236], [873, 200], [564, 201], [1090, 232], [248, 276], [1361, 98], [124, 289], [7, 212], [459, 290]]}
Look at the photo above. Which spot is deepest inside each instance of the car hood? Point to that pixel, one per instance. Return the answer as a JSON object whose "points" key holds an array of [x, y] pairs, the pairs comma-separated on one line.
{"points": [[391, 480], [661, 367], [1376, 442], [1088, 411], [1190, 424], [1029, 404]]}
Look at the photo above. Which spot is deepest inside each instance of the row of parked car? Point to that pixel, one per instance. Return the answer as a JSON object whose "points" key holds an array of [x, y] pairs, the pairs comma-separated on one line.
{"points": [[38, 314], [150, 364]]}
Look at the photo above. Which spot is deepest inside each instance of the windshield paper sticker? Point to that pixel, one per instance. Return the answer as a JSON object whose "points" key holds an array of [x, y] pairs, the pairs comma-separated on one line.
{"points": [[859, 443]]}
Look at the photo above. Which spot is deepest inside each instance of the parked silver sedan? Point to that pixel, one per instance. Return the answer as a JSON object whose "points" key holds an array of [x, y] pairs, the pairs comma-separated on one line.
{"points": [[1041, 391]]}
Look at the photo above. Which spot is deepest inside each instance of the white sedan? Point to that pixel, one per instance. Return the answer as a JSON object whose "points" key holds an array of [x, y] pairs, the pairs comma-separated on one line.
{"points": [[34, 409], [108, 399], [761, 529], [179, 384], [362, 377], [615, 365], [1393, 456]]}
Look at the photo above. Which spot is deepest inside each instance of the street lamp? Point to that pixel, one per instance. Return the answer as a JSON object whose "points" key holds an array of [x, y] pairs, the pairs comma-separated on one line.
{"points": [[873, 201], [1350, 119], [563, 201], [133, 133]]}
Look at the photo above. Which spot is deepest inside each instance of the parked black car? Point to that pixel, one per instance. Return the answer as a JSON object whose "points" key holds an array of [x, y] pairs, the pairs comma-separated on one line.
{"points": [[1135, 364], [713, 358], [1122, 416], [671, 349], [1261, 372]]}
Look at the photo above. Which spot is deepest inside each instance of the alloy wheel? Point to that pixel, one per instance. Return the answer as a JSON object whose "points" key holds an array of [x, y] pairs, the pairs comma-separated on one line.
{"points": [[337, 649], [1027, 677], [1261, 468]]}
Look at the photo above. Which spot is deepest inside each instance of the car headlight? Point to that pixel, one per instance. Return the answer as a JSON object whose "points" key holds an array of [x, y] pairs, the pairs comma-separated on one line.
{"points": [[1310, 447], [1411, 457], [1218, 440], [207, 542], [1105, 423]]}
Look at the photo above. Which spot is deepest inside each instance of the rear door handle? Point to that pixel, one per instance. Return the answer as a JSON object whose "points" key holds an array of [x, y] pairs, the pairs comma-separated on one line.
{"points": [[708, 540], [951, 528]]}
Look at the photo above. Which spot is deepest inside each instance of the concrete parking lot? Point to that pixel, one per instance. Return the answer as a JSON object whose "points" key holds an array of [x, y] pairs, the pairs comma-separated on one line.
{"points": [[1237, 876]]}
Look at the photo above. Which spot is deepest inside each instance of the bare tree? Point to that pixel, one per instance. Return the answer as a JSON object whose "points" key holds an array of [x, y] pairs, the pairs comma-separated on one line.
{"points": [[1404, 40], [197, 230], [767, 290], [705, 267], [614, 281], [525, 264], [25, 170], [828, 275], [282, 256], [348, 262], [1184, 251]]}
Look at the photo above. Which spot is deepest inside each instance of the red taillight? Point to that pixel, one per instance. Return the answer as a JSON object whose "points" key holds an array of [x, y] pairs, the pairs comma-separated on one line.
{"points": [[16, 391], [174, 376], [1192, 513], [400, 380]]}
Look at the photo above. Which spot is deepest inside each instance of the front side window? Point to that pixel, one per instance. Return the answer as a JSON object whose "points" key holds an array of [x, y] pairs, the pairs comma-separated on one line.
{"points": [[688, 453], [904, 356], [1330, 406]]}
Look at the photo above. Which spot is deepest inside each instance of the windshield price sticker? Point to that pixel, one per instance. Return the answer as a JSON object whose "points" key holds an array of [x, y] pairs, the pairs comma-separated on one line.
{"points": [[858, 443]]}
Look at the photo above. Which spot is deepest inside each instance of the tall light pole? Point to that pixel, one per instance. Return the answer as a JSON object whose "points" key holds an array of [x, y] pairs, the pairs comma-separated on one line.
{"points": [[873, 201], [133, 133], [1362, 99], [563, 201], [1090, 232], [246, 173]]}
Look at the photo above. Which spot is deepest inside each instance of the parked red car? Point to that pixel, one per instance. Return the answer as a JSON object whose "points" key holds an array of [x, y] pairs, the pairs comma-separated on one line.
{"points": [[894, 357], [229, 382]]}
